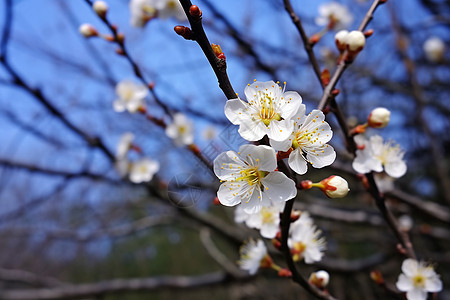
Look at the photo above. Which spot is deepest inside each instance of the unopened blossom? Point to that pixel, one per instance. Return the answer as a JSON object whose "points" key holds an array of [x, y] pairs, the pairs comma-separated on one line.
{"points": [[124, 145], [308, 141], [434, 49], [130, 96], [252, 255], [87, 30], [376, 154], [170, 8], [340, 39], [355, 41], [334, 15], [181, 130], [305, 242], [379, 117], [268, 110], [141, 12], [320, 278], [418, 279], [267, 220], [335, 186], [143, 170], [249, 177], [100, 7], [405, 223]]}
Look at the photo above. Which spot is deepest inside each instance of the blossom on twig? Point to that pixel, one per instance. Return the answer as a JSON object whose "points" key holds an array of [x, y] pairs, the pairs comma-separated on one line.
{"points": [[143, 170], [252, 255], [181, 130], [334, 15], [130, 96], [267, 220]]}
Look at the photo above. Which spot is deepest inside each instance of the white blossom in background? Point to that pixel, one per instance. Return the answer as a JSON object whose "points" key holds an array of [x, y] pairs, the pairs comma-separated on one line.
{"points": [[87, 30], [130, 96], [418, 279], [249, 177], [355, 40], [267, 220], [252, 254], [141, 11], [334, 15], [122, 166], [124, 145], [268, 111], [309, 141], [181, 130], [340, 38], [434, 49], [143, 170], [405, 223], [305, 241], [100, 7], [170, 8], [376, 154], [209, 133]]}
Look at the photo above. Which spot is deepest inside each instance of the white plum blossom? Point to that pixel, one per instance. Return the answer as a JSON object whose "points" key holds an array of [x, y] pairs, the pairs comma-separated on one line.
{"points": [[249, 177], [267, 220], [170, 8], [434, 49], [181, 130], [141, 12], [385, 183], [308, 141], [405, 223], [305, 241], [340, 39], [100, 7], [87, 30], [335, 187], [268, 111], [379, 117], [130, 96], [334, 15], [143, 170], [355, 40], [252, 254], [418, 279], [124, 145], [376, 154]]}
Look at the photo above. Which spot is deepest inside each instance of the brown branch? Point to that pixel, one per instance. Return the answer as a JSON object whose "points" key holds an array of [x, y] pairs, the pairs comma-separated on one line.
{"points": [[26, 277], [76, 291], [218, 65]]}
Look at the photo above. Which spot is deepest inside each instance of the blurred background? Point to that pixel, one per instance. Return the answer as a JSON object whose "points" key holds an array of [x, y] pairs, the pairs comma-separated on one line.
{"points": [[68, 219]]}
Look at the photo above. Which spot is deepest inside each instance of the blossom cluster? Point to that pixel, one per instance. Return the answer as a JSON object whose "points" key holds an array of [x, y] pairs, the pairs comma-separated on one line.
{"points": [[144, 10]]}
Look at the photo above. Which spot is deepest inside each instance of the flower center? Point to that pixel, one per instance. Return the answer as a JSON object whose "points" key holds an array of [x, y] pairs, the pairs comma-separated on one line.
{"points": [[297, 250], [267, 216], [303, 138], [252, 175], [171, 4], [388, 151], [182, 129], [419, 281], [267, 112]]}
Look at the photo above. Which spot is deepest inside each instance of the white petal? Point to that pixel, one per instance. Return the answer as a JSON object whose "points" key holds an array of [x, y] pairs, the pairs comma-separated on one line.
{"points": [[404, 283], [269, 231], [293, 101], [297, 162], [282, 145], [254, 203], [278, 187], [118, 106], [234, 109], [396, 168], [252, 130], [416, 294], [263, 155], [365, 162], [433, 284], [280, 130], [322, 157], [409, 267], [226, 165], [229, 195]]}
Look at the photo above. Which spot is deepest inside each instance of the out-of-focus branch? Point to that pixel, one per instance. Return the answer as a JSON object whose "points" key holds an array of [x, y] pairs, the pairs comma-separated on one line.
{"points": [[76, 291], [437, 156], [219, 66], [27, 278]]}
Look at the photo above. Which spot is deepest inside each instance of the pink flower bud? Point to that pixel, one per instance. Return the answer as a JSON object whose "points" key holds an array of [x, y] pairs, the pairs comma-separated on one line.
{"points": [[355, 41], [87, 30], [101, 8], [379, 117], [335, 187]]}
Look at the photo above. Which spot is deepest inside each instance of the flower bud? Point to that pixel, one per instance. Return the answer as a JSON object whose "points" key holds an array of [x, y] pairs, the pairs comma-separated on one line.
{"points": [[101, 8], [335, 187], [87, 30], [379, 117], [320, 279], [340, 38], [355, 41], [405, 223], [434, 49]]}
